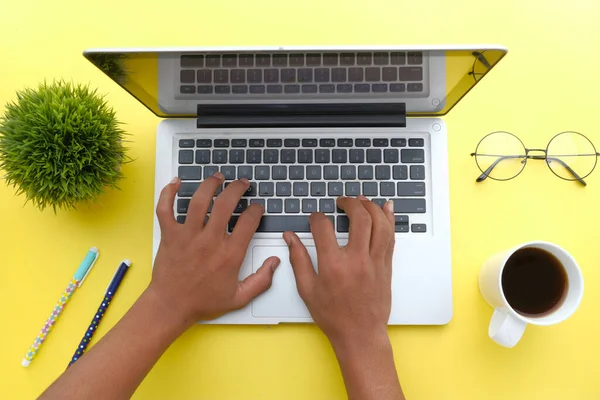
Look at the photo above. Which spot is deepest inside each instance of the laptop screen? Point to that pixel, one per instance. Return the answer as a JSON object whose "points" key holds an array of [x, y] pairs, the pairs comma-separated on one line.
{"points": [[172, 82]]}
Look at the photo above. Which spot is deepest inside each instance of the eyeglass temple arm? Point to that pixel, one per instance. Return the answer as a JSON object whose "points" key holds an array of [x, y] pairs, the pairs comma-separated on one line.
{"points": [[488, 171], [561, 162]]}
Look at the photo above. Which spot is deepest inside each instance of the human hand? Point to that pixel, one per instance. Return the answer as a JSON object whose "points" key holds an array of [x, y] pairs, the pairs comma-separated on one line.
{"points": [[350, 298], [197, 264]]}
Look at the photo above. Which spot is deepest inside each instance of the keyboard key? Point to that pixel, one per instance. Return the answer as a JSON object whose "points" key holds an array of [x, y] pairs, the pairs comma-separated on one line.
{"points": [[181, 219], [187, 89], [369, 189], [280, 60], [192, 60], [414, 87], [418, 228], [254, 75], [301, 189], [345, 142], [347, 58], [313, 172], [364, 58], [400, 226], [305, 75], [257, 89], [411, 188], [292, 205], [412, 156], [326, 206], [187, 76], [263, 60], [417, 172], [415, 58], [373, 156], [239, 142], [186, 156], [373, 74], [291, 89], [258, 201], [204, 143], [362, 142], [283, 189], [281, 223], [365, 172], [380, 87], [271, 75], [236, 156], [398, 58], [239, 89], [382, 172], [288, 156], [246, 60], [213, 60], [317, 189], [253, 156], [244, 171], [309, 142], [401, 219], [390, 74], [257, 142], [340, 156], [266, 189], [309, 205], [331, 172], [296, 172], [348, 172], [313, 59], [274, 142], [362, 88], [309, 88], [398, 142], [221, 76], [230, 60], [357, 156], [352, 189], [390, 156], [305, 156], [381, 58], [187, 189], [221, 143], [322, 75], [210, 171], [397, 87], [409, 206], [291, 142], [251, 191], [189, 173], [338, 75], [400, 172], [330, 59], [182, 205], [273, 206], [415, 142], [379, 202], [202, 157], [228, 172], [237, 76], [345, 88], [326, 88], [322, 156], [288, 75], [204, 76], [410, 74], [262, 173], [274, 89], [356, 74], [335, 189], [387, 188], [219, 156], [380, 143], [279, 172], [327, 142], [343, 223], [271, 156]]}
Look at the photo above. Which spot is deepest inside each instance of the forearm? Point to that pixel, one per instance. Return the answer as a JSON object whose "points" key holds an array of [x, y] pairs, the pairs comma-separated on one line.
{"points": [[118, 363], [368, 368]]}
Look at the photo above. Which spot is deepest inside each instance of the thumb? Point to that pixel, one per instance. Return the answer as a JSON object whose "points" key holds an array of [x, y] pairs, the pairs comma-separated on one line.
{"points": [[301, 264], [256, 283]]}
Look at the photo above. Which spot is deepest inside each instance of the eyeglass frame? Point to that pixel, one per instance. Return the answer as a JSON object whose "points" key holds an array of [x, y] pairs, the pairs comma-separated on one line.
{"points": [[486, 174]]}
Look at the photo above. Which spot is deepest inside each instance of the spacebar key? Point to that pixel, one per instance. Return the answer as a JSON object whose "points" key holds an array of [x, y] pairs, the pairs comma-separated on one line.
{"points": [[281, 223]]}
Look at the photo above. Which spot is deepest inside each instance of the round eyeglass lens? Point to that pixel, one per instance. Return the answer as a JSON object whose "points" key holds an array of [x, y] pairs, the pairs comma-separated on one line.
{"points": [[570, 153], [502, 154]]}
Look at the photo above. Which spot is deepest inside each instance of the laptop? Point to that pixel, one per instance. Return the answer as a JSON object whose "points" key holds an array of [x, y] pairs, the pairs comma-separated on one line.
{"points": [[306, 125]]}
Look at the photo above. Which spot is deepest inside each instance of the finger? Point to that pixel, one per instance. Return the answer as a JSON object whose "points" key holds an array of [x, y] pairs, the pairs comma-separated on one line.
{"points": [[256, 283], [323, 234], [301, 264], [246, 226], [226, 203], [164, 207], [360, 222], [200, 201], [388, 210], [380, 231]]}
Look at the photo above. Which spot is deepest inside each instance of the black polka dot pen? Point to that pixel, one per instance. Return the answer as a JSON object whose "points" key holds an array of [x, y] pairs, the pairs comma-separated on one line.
{"points": [[106, 300]]}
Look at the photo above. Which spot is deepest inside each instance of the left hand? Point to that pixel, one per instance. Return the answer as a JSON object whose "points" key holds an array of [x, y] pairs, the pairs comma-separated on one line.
{"points": [[197, 264]]}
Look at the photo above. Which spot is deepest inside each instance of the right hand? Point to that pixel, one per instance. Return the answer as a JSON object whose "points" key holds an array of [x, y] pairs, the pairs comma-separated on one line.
{"points": [[350, 297]]}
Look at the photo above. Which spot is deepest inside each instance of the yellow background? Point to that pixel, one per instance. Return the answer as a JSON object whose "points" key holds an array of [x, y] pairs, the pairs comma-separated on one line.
{"points": [[548, 83]]}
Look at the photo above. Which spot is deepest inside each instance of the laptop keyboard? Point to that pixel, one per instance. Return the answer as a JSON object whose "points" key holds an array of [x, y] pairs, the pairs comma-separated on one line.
{"points": [[294, 177], [301, 73]]}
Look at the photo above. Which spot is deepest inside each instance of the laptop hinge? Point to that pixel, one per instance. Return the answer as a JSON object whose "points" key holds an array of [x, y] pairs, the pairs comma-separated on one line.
{"points": [[301, 115]]}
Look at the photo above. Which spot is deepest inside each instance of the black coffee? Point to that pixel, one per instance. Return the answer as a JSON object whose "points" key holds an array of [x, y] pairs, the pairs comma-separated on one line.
{"points": [[534, 282]]}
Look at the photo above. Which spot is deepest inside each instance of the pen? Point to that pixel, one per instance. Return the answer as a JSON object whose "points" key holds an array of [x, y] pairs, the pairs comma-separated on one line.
{"points": [[82, 272], [108, 296]]}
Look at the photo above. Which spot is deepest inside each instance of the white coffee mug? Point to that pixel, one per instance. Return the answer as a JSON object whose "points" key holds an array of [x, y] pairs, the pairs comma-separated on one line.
{"points": [[507, 325]]}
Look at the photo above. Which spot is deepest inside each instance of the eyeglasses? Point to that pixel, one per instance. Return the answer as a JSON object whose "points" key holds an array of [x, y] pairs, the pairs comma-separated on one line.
{"points": [[502, 156]]}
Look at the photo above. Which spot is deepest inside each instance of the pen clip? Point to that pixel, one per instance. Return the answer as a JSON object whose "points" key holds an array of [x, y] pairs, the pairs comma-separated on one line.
{"points": [[124, 262], [89, 269]]}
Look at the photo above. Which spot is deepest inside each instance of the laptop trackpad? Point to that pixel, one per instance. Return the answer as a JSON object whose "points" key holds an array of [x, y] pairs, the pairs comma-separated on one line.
{"points": [[282, 299]]}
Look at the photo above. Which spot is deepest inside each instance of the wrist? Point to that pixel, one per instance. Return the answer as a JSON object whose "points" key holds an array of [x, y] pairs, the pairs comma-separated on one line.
{"points": [[164, 312], [353, 343]]}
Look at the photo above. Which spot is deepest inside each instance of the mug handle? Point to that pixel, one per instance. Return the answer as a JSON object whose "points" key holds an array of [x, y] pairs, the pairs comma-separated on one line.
{"points": [[505, 329]]}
